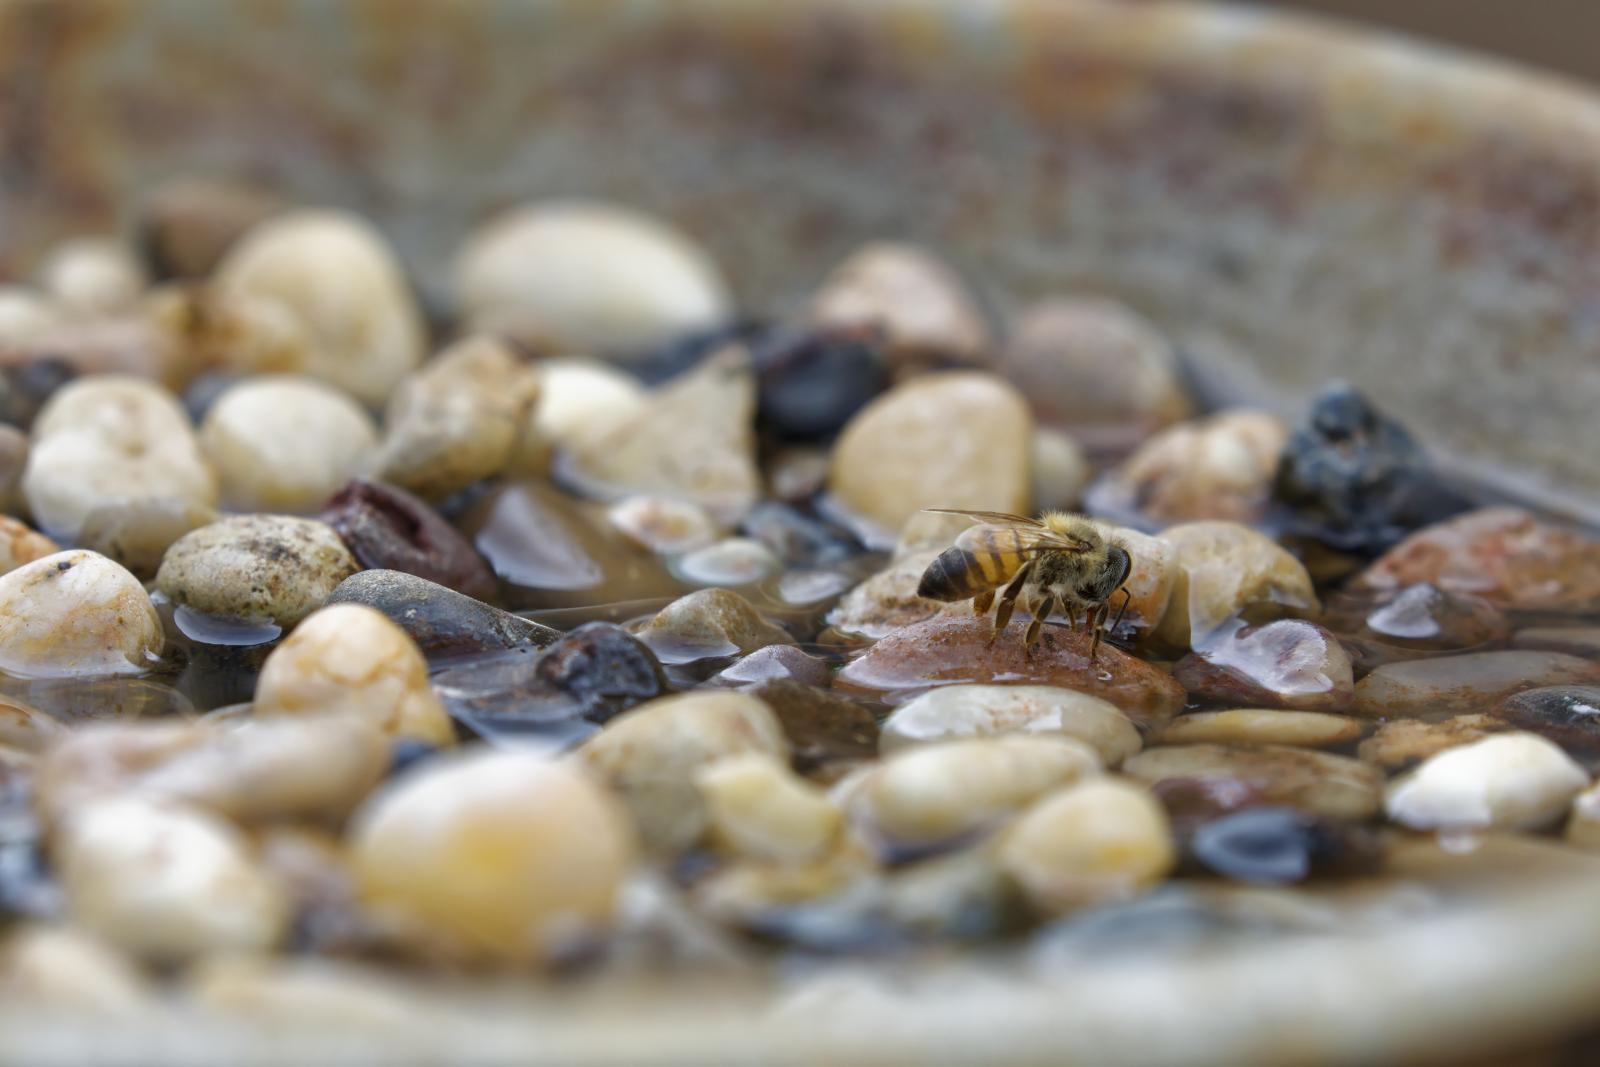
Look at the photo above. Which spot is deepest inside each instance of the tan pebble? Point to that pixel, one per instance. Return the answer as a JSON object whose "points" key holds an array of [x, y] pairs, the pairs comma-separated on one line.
{"points": [[19, 544], [957, 711], [66, 968], [76, 613], [759, 809], [1318, 782], [1509, 780], [920, 303], [259, 568], [1398, 744], [579, 400], [710, 622], [1151, 579], [187, 224], [27, 728], [351, 659], [300, 992], [888, 600], [138, 533], [1263, 726], [1094, 841], [661, 524], [1583, 827], [1472, 681], [1225, 569], [1061, 470], [505, 856], [93, 276], [1219, 467], [26, 316]]}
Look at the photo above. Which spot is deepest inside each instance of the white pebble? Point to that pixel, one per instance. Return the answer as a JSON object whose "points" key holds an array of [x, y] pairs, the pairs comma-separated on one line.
{"points": [[759, 809], [661, 524], [61, 967], [93, 276], [76, 613], [956, 711], [1510, 780]]}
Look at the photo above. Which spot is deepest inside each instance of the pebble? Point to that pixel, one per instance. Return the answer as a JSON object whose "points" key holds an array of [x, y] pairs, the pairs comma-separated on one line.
{"points": [[92, 276], [959, 711], [1095, 841], [1224, 569], [26, 728], [499, 856], [932, 795], [67, 969], [387, 528], [955, 648], [1401, 743], [829, 906], [282, 443], [1061, 470], [1422, 617], [19, 544], [109, 440], [581, 276], [1219, 467], [440, 620], [73, 614], [1316, 782], [758, 809], [1096, 366], [25, 387], [137, 533], [663, 525], [310, 767], [775, 663], [822, 729], [1573, 640], [187, 225], [1471, 682], [300, 992], [694, 440], [922, 308], [1569, 715], [1281, 846], [547, 552], [650, 755], [888, 600], [707, 623], [1263, 726], [338, 279], [731, 561], [26, 315], [458, 419], [1285, 664], [579, 401], [1583, 827], [1511, 780], [137, 343], [256, 567], [799, 538], [351, 659], [811, 381], [1355, 479], [797, 473], [75, 698], [1505, 555], [957, 440], [165, 882], [232, 333]]}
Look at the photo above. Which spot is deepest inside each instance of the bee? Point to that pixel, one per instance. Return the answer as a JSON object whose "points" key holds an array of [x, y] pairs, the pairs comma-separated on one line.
{"points": [[1057, 560]]}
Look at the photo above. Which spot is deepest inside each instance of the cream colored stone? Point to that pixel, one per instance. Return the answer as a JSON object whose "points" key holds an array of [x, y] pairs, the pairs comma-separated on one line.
{"points": [[661, 524], [959, 711], [579, 401], [759, 809], [1219, 467], [1061, 469], [19, 544], [920, 304], [1509, 780], [91, 276], [76, 613], [1262, 726], [1225, 569], [68, 969]]}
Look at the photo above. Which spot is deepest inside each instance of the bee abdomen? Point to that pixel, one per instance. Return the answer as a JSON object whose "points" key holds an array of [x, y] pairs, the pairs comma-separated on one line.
{"points": [[955, 574]]}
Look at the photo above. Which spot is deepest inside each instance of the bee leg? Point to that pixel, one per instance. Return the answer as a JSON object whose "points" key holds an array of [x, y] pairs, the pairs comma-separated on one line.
{"points": [[982, 602], [1096, 620], [1072, 617], [1008, 601], [1040, 614]]}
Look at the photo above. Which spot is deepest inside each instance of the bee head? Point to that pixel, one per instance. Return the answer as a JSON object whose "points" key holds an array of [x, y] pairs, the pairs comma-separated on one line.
{"points": [[1118, 566]]}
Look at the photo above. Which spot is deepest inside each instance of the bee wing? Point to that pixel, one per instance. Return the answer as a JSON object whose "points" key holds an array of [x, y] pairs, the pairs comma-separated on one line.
{"points": [[993, 518], [1052, 542]]}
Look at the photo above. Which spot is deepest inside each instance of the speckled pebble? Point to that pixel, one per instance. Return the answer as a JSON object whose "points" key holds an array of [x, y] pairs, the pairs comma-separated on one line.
{"points": [[76, 613], [256, 567], [1399, 744]]}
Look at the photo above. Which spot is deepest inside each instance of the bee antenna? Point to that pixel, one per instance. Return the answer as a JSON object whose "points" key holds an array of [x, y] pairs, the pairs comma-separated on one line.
{"points": [[1126, 597]]}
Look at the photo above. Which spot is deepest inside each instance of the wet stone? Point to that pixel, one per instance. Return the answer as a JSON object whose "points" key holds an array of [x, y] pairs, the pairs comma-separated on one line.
{"points": [[387, 528], [1225, 569], [773, 663], [798, 538], [1191, 802], [20, 544], [955, 648], [1422, 617], [811, 381], [1285, 664], [1575, 641], [1569, 715], [1279, 846], [1315, 782], [1402, 743], [732, 561], [888, 600], [76, 613], [661, 524], [956, 711], [81, 699], [138, 533], [709, 623], [275, 567], [1471, 682], [441, 621], [1507, 556], [821, 728], [1263, 726], [1510, 780]]}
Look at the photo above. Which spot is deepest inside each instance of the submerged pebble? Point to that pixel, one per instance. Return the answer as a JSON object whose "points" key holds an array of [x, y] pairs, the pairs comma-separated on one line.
{"points": [[1470, 682], [76, 613], [256, 567], [1285, 664], [1512, 780], [810, 382], [957, 711], [663, 525], [440, 620], [1569, 715], [887, 600], [387, 528], [732, 561], [708, 623], [775, 663], [1316, 782]]}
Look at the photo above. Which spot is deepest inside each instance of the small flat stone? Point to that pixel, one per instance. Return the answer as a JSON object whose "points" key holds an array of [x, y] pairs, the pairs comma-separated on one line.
{"points": [[1569, 715], [1316, 782], [1262, 726], [773, 663], [1470, 682], [441, 621]]}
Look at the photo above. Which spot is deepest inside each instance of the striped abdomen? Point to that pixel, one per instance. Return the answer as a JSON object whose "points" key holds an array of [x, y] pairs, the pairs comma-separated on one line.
{"points": [[983, 558]]}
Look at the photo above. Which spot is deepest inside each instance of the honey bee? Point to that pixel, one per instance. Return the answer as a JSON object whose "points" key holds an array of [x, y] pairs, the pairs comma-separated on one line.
{"points": [[1056, 560]]}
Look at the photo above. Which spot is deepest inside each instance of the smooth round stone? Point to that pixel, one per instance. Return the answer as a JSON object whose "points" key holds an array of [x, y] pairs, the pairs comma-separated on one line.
{"points": [[1096, 841], [1224, 569], [932, 794], [351, 659], [1569, 715], [1095, 365], [1401, 743], [137, 533], [1511, 781], [1279, 846], [921, 306], [707, 623], [166, 882], [822, 728], [650, 755], [1507, 556], [1574, 640], [19, 544], [340, 283], [68, 969], [812, 380], [281, 443], [1317, 782], [90, 276], [1583, 828], [579, 400], [387, 528], [308, 991], [110, 439], [1419, 617], [888, 600], [76, 613], [693, 439], [774, 663], [663, 525], [1470, 682], [733, 561], [759, 809], [1262, 726], [955, 648], [1219, 467], [275, 567], [441, 621], [502, 856], [958, 711], [547, 552], [943, 440], [580, 276], [1285, 664], [458, 419]]}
